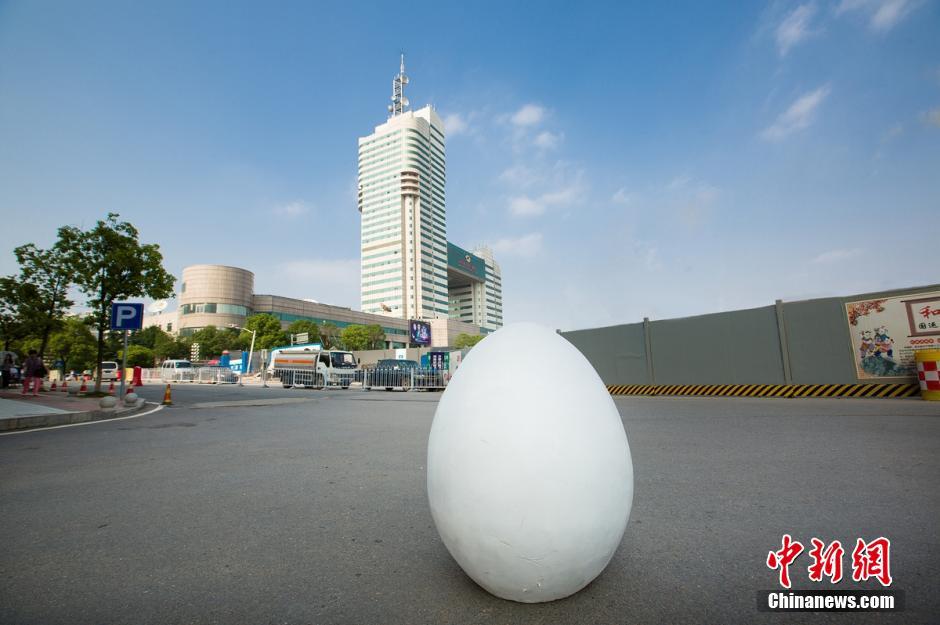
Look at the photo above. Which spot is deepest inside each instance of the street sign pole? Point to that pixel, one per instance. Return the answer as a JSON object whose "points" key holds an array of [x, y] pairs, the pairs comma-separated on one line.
{"points": [[123, 366], [124, 316]]}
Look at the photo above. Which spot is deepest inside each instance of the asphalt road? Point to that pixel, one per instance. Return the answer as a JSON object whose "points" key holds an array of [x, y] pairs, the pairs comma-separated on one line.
{"points": [[312, 509]]}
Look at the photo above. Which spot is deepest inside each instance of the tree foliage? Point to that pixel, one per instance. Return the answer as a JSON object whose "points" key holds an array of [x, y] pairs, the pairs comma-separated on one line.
{"points": [[139, 356], [304, 325], [109, 264], [467, 340], [329, 335], [268, 329], [355, 337], [213, 341], [33, 303], [74, 345]]}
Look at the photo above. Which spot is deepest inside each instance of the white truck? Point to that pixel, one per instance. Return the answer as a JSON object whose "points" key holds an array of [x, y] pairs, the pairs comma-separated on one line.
{"points": [[314, 367]]}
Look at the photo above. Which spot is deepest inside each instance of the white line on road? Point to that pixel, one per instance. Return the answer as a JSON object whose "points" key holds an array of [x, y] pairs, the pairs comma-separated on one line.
{"points": [[72, 425]]}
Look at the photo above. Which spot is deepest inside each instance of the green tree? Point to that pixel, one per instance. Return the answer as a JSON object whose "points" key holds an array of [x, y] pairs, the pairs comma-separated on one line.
{"points": [[39, 297], [74, 345], [355, 337], [376, 336], [13, 328], [329, 335], [305, 325], [467, 340], [110, 264], [213, 341], [269, 332], [138, 356]]}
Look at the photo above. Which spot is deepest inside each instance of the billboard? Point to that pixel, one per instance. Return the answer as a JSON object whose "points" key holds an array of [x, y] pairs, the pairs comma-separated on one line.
{"points": [[887, 331], [465, 262], [420, 332]]}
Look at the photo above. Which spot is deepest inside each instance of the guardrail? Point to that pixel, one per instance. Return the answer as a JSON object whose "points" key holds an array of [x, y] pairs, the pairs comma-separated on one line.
{"points": [[198, 375], [307, 378], [405, 379]]}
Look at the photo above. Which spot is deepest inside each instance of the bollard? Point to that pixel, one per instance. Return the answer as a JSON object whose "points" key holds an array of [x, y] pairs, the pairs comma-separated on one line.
{"points": [[167, 400]]}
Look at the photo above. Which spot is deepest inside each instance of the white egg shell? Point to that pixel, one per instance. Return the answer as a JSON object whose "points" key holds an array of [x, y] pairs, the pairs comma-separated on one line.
{"points": [[530, 479]]}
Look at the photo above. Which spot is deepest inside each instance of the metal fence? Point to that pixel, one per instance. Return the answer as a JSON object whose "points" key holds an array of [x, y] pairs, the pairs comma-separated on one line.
{"points": [[405, 379], [198, 375], [365, 379], [307, 378]]}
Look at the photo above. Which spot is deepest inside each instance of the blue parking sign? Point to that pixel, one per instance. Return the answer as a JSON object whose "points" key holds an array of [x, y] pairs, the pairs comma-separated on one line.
{"points": [[127, 316]]}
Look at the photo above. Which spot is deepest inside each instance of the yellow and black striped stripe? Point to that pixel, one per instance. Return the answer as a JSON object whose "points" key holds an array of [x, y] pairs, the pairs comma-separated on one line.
{"points": [[767, 390]]}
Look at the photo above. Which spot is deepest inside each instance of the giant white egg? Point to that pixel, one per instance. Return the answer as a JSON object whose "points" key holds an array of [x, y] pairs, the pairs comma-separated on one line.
{"points": [[530, 479]]}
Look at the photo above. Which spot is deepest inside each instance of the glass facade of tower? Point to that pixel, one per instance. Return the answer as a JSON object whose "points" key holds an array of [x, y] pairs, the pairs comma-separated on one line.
{"points": [[401, 199]]}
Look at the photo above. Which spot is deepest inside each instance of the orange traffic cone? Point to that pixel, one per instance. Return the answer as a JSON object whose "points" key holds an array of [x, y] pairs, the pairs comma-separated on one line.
{"points": [[83, 389], [111, 389], [167, 401], [65, 383]]}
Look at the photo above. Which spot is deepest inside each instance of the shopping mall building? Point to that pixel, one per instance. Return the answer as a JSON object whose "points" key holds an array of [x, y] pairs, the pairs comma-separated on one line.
{"points": [[224, 297]]}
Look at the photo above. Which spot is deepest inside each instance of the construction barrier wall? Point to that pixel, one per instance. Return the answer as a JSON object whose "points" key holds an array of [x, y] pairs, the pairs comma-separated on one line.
{"points": [[756, 352]]}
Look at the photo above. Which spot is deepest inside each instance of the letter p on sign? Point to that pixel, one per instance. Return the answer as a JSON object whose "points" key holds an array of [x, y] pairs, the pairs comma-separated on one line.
{"points": [[127, 316]]}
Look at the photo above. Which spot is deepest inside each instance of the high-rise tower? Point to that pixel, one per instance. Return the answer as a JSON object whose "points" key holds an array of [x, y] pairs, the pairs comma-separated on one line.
{"points": [[401, 199]]}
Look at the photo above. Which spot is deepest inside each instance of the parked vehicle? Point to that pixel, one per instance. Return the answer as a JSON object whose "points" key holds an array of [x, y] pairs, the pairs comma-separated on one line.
{"points": [[177, 371], [392, 373], [110, 371], [314, 367]]}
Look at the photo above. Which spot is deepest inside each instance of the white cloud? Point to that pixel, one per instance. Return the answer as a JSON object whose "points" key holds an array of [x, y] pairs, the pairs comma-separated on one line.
{"points": [[292, 209], [456, 124], [531, 206], [679, 182], [519, 175], [795, 27], [799, 116], [933, 117], [528, 115], [883, 15], [834, 256], [524, 206], [526, 246], [547, 140], [622, 196]]}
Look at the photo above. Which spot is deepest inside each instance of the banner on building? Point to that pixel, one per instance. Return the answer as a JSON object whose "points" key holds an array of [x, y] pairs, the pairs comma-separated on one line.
{"points": [[420, 332], [887, 331]]}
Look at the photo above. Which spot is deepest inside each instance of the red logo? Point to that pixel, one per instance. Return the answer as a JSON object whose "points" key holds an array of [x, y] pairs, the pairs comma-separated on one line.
{"points": [[872, 559]]}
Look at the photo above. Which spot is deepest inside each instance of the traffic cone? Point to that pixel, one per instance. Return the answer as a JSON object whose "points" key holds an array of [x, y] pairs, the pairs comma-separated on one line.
{"points": [[83, 389], [64, 385], [167, 401], [52, 388], [111, 389], [130, 389]]}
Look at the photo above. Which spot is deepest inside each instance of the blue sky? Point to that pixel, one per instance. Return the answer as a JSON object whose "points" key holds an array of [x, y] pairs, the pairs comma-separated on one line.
{"points": [[623, 161]]}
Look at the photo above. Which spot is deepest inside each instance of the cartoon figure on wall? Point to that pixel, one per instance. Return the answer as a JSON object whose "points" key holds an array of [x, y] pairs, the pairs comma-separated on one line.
{"points": [[876, 353]]}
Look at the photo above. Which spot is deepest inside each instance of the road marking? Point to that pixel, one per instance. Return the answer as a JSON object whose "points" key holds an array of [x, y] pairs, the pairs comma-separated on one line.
{"points": [[71, 425]]}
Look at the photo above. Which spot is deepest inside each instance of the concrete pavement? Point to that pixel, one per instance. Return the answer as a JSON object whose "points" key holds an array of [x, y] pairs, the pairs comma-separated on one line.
{"points": [[315, 511]]}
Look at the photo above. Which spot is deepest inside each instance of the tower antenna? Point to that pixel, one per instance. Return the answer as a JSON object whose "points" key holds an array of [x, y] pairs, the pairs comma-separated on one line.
{"points": [[399, 101]]}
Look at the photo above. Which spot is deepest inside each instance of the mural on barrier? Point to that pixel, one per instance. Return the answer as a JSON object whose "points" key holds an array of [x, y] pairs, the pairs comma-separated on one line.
{"points": [[886, 332]]}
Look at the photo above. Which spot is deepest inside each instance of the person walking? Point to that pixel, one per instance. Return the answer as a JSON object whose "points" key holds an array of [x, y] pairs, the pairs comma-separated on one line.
{"points": [[5, 369], [33, 373]]}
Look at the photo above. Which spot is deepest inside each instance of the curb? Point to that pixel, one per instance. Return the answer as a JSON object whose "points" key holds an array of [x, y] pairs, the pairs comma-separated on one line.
{"points": [[768, 390], [68, 418]]}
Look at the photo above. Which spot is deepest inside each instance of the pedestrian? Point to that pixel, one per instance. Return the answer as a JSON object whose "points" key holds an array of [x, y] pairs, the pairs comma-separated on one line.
{"points": [[5, 369], [33, 373]]}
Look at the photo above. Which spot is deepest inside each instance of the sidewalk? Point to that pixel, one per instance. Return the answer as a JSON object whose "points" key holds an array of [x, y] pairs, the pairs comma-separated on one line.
{"points": [[18, 411]]}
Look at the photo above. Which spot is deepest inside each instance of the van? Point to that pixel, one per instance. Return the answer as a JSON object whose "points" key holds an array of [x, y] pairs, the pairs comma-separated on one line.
{"points": [[109, 370], [177, 371]]}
